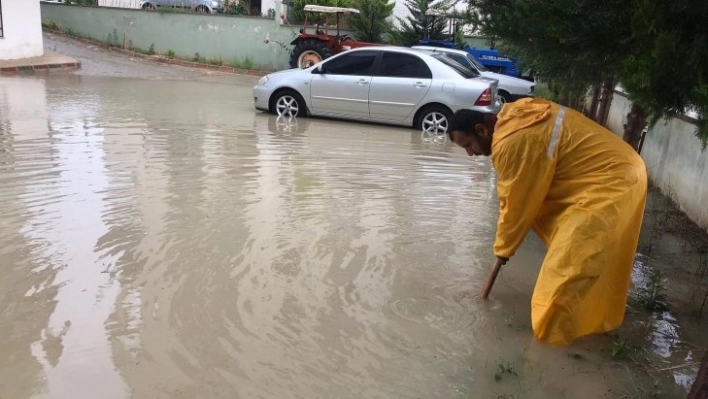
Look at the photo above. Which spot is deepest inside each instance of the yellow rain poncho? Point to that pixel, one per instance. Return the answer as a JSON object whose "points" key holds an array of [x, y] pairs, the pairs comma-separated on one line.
{"points": [[583, 190]]}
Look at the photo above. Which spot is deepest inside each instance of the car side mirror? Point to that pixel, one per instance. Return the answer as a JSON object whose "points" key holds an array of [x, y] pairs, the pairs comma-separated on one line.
{"points": [[319, 70]]}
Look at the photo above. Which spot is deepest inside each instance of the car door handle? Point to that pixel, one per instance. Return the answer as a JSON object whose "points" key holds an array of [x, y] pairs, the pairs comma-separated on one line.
{"points": [[362, 82], [419, 85]]}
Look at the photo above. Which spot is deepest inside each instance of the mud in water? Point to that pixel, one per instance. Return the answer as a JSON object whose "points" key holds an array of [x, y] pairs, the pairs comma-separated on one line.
{"points": [[163, 239]]}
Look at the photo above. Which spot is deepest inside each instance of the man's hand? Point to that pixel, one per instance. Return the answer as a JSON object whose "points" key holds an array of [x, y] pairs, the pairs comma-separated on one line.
{"points": [[502, 260]]}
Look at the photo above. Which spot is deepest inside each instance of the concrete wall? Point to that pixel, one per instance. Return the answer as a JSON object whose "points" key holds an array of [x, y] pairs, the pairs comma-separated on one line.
{"points": [[230, 38], [674, 160], [22, 30]]}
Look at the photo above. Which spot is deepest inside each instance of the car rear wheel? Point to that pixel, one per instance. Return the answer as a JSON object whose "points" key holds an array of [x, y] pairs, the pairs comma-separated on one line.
{"points": [[434, 119], [288, 104], [308, 53], [505, 97]]}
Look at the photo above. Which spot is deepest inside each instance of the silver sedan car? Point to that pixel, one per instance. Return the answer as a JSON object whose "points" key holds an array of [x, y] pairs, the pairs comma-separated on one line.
{"points": [[385, 84]]}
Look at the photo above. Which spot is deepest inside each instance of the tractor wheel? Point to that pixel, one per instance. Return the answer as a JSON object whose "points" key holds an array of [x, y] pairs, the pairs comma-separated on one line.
{"points": [[308, 53]]}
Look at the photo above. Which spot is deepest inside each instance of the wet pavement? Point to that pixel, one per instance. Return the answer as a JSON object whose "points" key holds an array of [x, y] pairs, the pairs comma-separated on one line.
{"points": [[160, 238]]}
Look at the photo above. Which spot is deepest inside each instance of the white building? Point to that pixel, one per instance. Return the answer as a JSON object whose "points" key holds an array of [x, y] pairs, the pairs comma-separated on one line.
{"points": [[20, 29]]}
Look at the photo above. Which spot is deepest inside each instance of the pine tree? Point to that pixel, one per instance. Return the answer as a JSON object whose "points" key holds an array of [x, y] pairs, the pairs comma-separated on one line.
{"points": [[373, 23], [418, 25]]}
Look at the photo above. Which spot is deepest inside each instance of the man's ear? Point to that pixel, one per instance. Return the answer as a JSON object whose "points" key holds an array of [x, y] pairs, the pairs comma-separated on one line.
{"points": [[481, 130]]}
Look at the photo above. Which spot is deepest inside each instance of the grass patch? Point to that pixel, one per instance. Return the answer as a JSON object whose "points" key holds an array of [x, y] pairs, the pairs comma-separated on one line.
{"points": [[652, 297], [242, 63], [215, 61], [622, 349], [247, 62], [51, 25], [504, 368], [198, 58]]}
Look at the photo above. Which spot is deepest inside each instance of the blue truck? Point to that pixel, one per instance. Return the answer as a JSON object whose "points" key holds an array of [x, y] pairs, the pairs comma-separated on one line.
{"points": [[492, 59]]}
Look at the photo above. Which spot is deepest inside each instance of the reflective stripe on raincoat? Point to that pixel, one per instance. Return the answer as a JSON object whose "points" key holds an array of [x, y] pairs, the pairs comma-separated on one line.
{"points": [[583, 190]]}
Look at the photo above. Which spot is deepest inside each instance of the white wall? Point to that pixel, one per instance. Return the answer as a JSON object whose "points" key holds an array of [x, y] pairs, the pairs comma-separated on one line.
{"points": [[22, 30], [675, 162]]}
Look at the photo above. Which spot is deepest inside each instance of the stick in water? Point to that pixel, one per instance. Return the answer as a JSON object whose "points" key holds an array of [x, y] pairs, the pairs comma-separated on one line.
{"points": [[491, 278]]}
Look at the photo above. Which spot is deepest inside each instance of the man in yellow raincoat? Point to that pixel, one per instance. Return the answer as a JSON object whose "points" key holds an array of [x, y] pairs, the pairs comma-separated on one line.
{"points": [[582, 189]]}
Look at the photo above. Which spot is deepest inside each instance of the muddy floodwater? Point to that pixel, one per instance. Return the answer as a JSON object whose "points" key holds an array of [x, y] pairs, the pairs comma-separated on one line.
{"points": [[161, 239]]}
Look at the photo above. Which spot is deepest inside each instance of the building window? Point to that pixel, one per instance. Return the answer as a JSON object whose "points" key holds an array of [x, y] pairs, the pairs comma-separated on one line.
{"points": [[1, 31]]}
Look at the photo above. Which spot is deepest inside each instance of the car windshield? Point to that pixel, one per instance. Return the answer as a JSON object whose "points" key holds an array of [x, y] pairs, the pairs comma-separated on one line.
{"points": [[456, 66], [476, 63]]}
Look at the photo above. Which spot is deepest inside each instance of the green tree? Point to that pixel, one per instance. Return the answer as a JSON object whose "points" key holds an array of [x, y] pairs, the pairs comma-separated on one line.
{"points": [[419, 25], [667, 71], [373, 23], [657, 51]]}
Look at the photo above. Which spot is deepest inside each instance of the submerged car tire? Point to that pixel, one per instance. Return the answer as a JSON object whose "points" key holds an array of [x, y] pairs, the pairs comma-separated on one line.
{"points": [[148, 6], [434, 119], [309, 52], [288, 104]]}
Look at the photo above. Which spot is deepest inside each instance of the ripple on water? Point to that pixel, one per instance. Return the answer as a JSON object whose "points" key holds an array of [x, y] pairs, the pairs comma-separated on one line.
{"points": [[232, 253]]}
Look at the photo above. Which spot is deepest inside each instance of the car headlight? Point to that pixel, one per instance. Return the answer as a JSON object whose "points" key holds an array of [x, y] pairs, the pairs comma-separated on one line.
{"points": [[263, 81]]}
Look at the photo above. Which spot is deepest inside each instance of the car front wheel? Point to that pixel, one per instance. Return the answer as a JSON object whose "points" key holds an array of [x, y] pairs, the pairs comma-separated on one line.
{"points": [[288, 104]]}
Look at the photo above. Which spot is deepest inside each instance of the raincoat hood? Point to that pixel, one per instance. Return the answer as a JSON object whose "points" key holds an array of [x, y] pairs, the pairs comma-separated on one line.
{"points": [[520, 114]]}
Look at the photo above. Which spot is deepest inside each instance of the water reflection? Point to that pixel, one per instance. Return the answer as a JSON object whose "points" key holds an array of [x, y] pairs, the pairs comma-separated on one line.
{"points": [[185, 246]]}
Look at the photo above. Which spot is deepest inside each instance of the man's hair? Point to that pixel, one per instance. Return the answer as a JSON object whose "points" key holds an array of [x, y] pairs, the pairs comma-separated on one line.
{"points": [[464, 121]]}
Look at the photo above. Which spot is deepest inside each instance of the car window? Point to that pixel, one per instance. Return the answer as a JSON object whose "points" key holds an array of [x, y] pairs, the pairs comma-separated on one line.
{"points": [[459, 58], [456, 66], [400, 65], [476, 63], [354, 63]]}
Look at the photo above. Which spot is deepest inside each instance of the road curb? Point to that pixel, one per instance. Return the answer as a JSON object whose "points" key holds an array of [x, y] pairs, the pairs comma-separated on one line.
{"points": [[24, 70], [161, 59]]}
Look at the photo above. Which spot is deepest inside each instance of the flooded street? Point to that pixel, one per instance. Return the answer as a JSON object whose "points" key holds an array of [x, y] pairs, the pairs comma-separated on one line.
{"points": [[161, 239]]}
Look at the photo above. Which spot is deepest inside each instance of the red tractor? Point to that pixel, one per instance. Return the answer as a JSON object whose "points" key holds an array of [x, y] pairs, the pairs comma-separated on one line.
{"points": [[313, 48]]}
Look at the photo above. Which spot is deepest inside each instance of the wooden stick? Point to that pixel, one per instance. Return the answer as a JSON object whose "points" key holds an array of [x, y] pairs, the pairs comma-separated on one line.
{"points": [[491, 278], [699, 390]]}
